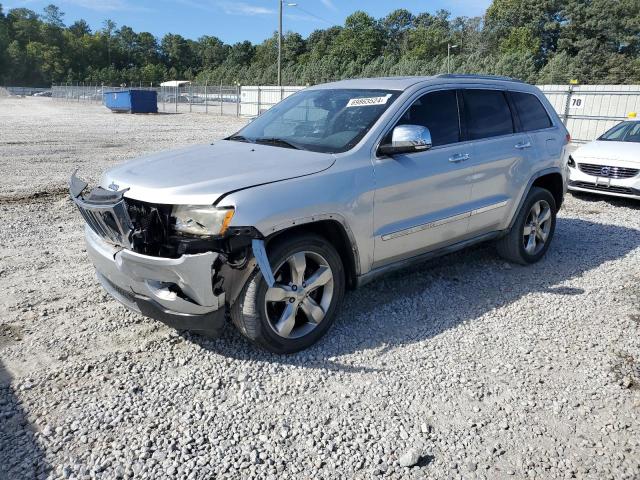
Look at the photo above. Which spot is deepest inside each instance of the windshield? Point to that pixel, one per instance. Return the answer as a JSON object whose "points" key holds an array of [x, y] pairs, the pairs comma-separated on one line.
{"points": [[332, 120], [623, 132]]}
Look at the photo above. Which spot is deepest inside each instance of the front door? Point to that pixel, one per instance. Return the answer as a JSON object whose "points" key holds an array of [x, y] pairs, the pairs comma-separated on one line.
{"points": [[422, 199]]}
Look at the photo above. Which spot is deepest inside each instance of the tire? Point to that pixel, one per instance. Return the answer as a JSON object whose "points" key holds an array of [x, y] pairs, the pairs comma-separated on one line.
{"points": [[516, 246], [269, 323]]}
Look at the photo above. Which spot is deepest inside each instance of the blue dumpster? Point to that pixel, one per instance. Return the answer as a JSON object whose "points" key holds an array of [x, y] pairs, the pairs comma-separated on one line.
{"points": [[132, 101]]}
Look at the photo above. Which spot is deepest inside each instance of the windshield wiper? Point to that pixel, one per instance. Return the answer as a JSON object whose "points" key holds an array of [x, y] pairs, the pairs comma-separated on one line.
{"points": [[278, 141], [239, 138]]}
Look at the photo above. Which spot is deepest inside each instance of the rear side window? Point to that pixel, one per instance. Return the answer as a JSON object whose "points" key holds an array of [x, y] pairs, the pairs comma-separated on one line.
{"points": [[532, 114], [487, 114], [438, 111]]}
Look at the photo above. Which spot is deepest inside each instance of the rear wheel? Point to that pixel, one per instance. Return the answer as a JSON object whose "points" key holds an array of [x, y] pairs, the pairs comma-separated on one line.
{"points": [[301, 306], [532, 232]]}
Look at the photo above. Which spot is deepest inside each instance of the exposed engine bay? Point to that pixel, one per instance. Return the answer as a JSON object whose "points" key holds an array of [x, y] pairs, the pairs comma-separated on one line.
{"points": [[148, 229]]}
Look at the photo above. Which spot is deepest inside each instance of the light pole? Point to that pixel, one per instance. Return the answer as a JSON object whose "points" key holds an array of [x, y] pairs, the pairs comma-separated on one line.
{"points": [[449, 47], [280, 5]]}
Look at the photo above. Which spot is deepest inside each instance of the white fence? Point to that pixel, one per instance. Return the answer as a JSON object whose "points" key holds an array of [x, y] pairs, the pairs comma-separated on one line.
{"points": [[590, 110], [256, 99], [586, 110]]}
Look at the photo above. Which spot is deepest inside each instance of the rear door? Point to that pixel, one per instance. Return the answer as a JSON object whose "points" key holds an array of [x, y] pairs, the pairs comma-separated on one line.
{"points": [[422, 198], [499, 156], [532, 117]]}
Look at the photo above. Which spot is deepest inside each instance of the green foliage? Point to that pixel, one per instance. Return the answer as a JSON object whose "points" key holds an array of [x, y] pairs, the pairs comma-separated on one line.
{"points": [[520, 40], [543, 41]]}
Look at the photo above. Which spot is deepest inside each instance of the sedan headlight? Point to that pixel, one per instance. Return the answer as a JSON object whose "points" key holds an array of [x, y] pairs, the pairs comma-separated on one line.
{"points": [[202, 220]]}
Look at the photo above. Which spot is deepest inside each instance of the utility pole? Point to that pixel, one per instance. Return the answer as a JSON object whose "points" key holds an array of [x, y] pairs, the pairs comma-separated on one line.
{"points": [[449, 47], [280, 6], [280, 42]]}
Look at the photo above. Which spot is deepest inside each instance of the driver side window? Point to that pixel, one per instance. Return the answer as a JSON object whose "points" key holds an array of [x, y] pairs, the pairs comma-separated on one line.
{"points": [[438, 111]]}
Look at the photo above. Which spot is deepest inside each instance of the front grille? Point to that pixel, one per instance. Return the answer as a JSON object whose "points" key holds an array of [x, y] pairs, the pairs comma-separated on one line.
{"points": [[109, 221], [607, 171], [604, 188], [138, 226]]}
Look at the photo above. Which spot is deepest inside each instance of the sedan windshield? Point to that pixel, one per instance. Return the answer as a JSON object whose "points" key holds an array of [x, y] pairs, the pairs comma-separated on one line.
{"points": [[623, 132], [331, 120]]}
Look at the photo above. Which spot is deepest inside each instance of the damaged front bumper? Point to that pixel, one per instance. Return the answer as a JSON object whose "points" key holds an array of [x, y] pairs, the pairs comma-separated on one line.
{"points": [[177, 291]]}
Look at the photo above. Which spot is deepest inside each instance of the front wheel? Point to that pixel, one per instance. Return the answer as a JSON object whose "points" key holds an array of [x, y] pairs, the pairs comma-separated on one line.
{"points": [[301, 306], [532, 232]]}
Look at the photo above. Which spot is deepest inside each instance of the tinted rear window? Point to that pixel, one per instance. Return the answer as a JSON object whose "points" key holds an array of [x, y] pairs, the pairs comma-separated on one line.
{"points": [[532, 114], [487, 114], [438, 111]]}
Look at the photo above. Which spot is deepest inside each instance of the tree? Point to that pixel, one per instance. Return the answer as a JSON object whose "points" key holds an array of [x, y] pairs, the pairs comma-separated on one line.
{"points": [[293, 46], [211, 51], [53, 16], [429, 39], [24, 25], [240, 53], [146, 49], [4, 45], [109, 28], [80, 28], [536, 40], [361, 40], [126, 40], [395, 27], [178, 53], [542, 19]]}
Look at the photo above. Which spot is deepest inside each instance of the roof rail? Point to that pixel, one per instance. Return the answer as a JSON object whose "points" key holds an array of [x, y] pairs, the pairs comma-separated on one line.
{"points": [[478, 77]]}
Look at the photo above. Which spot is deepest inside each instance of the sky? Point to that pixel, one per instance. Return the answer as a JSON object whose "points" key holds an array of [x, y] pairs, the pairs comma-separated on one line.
{"points": [[234, 21]]}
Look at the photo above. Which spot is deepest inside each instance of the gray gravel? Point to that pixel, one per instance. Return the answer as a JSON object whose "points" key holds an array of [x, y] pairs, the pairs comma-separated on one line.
{"points": [[466, 367]]}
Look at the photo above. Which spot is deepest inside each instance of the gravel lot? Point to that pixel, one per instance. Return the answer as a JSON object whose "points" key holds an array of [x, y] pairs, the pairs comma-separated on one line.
{"points": [[465, 367]]}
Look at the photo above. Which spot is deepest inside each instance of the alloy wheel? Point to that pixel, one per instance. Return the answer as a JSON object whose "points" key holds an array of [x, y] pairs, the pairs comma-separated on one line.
{"points": [[537, 227], [299, 300]]}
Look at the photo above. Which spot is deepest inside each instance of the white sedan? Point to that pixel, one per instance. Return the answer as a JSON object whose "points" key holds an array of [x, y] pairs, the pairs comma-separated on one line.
{"points": [[609, 165]]}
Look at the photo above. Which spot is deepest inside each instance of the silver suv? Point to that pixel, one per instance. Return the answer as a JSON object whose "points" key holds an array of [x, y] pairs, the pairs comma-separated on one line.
{"points": [[325, 191]]}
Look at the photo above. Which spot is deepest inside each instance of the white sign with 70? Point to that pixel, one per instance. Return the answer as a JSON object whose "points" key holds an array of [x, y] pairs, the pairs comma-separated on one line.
{"points": [[576, 102]]}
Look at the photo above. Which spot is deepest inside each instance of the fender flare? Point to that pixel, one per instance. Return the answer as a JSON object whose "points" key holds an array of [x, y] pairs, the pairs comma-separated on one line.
{"points": [[315, 219], [534, 177]]}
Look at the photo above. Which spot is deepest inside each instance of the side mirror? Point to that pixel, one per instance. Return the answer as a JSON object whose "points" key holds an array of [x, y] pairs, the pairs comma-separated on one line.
{"points": [[407, 139]]}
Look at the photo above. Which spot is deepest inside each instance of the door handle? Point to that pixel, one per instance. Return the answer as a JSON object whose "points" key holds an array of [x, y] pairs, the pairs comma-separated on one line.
{"points": [[523, 145], [459, 157]]}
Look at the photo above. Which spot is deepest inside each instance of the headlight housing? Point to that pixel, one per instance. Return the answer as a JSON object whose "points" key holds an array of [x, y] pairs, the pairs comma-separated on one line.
{"points": [[201, 220]]}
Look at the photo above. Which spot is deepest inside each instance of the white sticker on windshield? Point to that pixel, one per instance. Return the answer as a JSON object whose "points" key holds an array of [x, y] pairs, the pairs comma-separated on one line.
{"points": [[367, 101]]}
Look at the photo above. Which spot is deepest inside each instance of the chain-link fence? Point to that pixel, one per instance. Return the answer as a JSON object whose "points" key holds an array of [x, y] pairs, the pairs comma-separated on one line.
{"points": [[586, 110], [25, 91], [211, 99], [78, 93]]}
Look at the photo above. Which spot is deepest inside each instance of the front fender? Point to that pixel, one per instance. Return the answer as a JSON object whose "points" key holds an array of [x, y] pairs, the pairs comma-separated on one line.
{"points": [[342, 196]]}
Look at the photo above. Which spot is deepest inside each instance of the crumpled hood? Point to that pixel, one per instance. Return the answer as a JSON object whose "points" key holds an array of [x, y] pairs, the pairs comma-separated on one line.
{"points": [[201, 174], [606, 150]]}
